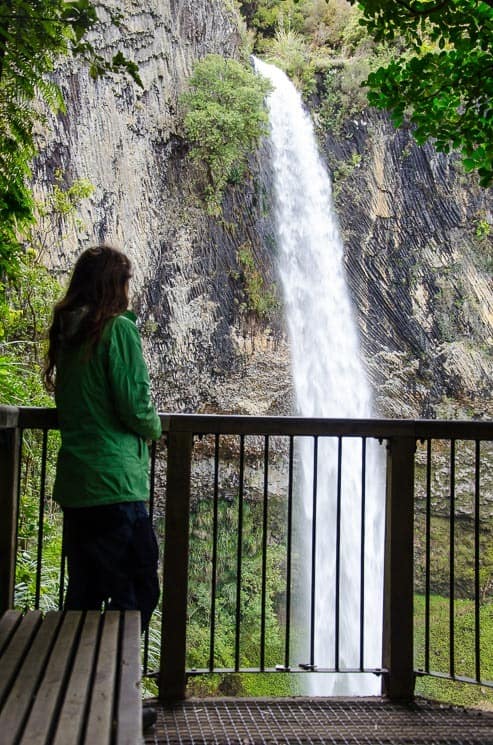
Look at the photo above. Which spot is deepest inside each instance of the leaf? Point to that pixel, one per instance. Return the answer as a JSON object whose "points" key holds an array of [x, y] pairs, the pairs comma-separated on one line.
{"points": [[445, 75]]}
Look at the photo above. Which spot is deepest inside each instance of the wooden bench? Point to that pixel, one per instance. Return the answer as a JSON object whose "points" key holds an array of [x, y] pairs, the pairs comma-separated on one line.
{"points": [[70, 678]]}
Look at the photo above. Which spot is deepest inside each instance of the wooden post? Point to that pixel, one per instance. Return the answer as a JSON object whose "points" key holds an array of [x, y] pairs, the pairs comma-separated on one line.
{"points": [[9, 474], [398, 627], [172, 677]]}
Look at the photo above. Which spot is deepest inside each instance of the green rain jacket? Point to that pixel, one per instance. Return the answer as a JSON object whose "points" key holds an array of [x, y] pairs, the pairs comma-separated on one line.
{"points": [[105, 416]]}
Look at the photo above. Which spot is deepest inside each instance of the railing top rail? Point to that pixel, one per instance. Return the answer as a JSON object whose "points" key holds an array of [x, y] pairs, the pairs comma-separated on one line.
{"points": [[420, 429], [286, 425]]}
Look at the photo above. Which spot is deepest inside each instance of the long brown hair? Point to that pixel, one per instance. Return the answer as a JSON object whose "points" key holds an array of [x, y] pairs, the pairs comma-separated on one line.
{"points": [[99, 284]]}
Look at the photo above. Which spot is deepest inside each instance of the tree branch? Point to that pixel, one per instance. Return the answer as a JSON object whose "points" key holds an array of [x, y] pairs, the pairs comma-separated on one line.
{"points": [[432, 9], [424, 13]]}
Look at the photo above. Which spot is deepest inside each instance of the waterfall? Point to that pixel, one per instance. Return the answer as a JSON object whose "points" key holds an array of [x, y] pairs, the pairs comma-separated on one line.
{"points": [[329, 381]]}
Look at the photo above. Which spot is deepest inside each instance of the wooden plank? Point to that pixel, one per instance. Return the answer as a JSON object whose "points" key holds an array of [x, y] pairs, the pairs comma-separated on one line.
{"points": [[25, 686], [72, 715], [8, 623], [52, 686], [100, 716], [129, 707], [14, 653]]}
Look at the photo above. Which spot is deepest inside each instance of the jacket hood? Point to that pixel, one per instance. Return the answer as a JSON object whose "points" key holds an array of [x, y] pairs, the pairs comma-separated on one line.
{"points": [[71, 321]]}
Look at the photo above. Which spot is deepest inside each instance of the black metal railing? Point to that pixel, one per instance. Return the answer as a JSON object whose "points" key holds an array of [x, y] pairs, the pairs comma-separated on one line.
{"points": [[454, 509], [225, 498]]}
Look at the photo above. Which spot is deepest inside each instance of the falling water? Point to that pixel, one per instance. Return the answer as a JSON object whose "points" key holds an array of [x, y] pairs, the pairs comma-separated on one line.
{"points": [[329, 381]]}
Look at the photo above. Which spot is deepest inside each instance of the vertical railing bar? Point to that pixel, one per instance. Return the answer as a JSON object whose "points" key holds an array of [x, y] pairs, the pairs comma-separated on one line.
{"points": [[172, 668], [398, 618], [289, 548], [152, 477], [338, 554], [452, 560], [314, 551], [239, 553], [18, 498], [428, 555], [19, 473], [41, 514], [477, 618], [265, 518], [214, 553], [9, 500], [363, 546]]}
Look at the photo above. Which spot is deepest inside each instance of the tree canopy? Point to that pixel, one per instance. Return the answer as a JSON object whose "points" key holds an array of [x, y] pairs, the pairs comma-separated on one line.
{"points": [[443, 78]]}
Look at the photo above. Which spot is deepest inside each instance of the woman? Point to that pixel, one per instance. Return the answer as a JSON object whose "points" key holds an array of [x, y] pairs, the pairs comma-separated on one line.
{"points": [[101, 383]]}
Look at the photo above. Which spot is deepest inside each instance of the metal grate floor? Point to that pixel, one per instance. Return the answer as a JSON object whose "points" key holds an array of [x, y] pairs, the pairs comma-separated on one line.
{"points": [[335, 721]]}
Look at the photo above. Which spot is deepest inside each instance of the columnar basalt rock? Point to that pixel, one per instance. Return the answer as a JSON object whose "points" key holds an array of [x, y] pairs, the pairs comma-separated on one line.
{"points": [[418, 238], [122, 137]]}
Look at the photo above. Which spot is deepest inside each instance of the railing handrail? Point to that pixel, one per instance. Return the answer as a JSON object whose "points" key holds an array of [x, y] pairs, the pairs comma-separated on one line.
{"points": [[27, 417]]}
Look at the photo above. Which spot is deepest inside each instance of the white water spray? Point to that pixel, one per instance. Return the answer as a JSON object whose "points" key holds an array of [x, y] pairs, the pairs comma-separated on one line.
{"points": [[329, 381]]}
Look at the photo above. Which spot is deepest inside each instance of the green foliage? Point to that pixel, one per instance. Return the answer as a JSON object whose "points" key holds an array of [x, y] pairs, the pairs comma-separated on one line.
{"points": [[60, 207], [225, 117], [226, 587], [51, 544], [327, 22], [260, 299], [344, 170], [483, 228], [248, 605], [289, 51], [325, 26], [343, 95], [33, 35], [245, 684], [25, 310], [444, 80], [27, 299], [435, 62], [464, 558], [326, 38], [464, 618], [483, 241], [267, 16]]}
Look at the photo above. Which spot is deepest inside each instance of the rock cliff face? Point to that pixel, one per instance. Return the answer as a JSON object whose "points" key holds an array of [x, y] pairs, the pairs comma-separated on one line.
{"points": [[206, 350], [419, 249], [415, 228], [122, 138]]}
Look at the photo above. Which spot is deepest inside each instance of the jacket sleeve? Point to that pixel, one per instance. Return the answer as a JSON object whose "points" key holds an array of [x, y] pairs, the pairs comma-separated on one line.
{"points": [[129, 380]]}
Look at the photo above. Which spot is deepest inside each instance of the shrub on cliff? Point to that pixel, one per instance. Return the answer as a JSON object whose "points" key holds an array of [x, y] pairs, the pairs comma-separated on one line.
{"points": [[225, 116]]}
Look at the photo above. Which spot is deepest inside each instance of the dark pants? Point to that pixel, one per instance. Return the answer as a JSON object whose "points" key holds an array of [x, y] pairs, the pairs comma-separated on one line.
{"points": [[112, 558]]}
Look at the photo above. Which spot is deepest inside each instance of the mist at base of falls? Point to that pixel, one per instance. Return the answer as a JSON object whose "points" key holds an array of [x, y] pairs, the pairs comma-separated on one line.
{"points": [[330, 382]]}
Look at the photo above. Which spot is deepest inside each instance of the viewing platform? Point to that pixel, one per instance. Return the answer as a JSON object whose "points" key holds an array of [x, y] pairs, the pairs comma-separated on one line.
{"points": [[328, 721], [223, 501]]}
